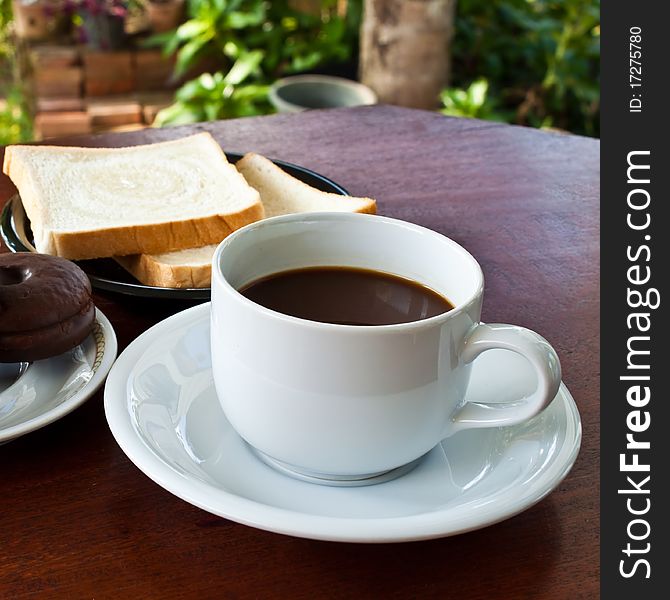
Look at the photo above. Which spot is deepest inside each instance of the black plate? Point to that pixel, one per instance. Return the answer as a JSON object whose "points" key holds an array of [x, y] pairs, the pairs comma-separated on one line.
{"points": [[106, 273]]}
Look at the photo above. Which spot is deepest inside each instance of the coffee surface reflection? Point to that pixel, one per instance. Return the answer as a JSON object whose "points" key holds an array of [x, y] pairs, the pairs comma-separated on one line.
{"points": [[346, 296]]}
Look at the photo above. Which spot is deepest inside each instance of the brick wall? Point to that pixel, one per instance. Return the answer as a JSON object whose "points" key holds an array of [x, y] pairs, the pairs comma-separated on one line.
{"points": [[78, 90]]}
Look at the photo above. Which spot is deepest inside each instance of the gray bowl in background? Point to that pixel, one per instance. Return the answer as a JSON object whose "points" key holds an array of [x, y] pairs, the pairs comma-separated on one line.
{"points": [[304, 92]]}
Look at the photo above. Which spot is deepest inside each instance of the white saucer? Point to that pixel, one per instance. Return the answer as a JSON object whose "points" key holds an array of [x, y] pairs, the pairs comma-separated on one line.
{"points": [[162, 409], [36, 394]]}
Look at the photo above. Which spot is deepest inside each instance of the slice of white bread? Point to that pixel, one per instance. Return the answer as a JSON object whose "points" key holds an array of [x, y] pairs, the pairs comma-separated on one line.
{"points": [[99, 202], [190, 268], [280, 194]]}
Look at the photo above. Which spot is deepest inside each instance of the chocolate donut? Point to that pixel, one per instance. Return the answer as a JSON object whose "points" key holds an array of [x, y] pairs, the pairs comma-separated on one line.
{"points": [[45, 306]]}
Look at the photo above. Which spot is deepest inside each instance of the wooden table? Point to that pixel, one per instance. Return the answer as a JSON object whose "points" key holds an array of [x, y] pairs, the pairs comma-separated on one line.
{"points": [[80, 521]]}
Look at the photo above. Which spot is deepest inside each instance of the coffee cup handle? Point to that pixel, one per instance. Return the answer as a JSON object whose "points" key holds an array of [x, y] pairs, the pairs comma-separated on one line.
{"points": [[528, 344]]}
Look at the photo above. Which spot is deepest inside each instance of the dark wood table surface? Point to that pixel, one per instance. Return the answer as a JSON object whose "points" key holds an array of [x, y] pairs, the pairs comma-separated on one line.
{"points": [[79, 520]]}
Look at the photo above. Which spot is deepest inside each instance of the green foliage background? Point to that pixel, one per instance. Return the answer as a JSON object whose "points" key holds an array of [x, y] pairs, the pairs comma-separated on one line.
{"points": [[531, 62], [15, 121], [254, 42]]}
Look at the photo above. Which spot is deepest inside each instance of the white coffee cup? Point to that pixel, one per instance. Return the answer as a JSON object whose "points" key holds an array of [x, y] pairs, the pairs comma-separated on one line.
{"points": [[356, 404]]}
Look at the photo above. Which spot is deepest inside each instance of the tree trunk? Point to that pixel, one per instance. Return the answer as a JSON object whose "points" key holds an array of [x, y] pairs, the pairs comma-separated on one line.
{"points": [[405, 50]]}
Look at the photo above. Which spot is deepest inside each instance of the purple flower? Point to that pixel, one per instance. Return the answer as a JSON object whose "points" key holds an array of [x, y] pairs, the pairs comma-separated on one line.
{"points": [[118, 11], [116, 8]]}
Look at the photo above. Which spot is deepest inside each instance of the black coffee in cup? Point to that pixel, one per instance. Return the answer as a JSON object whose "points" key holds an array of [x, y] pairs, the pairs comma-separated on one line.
{"points": [[346, 296]]}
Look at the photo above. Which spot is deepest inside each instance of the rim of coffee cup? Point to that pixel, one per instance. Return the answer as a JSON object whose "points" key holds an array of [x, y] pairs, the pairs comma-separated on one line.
{"points": [[346, 216]]}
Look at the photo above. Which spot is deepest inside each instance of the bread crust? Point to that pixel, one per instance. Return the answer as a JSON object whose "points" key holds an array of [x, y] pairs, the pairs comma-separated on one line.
{"points": [[149, 271], [155, 238]]}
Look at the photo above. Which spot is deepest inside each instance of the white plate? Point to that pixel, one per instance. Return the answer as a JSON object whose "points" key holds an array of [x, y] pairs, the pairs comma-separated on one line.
{"points": [[47, 390], [162, 409]]}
